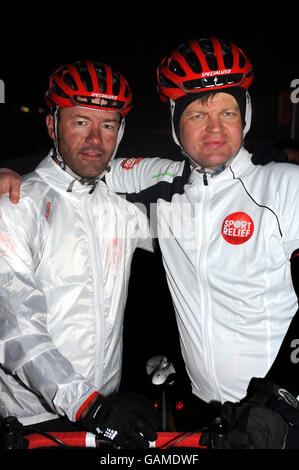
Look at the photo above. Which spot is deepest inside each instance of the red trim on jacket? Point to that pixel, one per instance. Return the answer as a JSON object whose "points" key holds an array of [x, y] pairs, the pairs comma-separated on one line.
{"points": [[85, 404]]}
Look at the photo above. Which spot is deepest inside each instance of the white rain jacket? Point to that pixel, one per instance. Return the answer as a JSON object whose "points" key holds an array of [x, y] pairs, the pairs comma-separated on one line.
{"points": [[64, 269], [226, 243]]}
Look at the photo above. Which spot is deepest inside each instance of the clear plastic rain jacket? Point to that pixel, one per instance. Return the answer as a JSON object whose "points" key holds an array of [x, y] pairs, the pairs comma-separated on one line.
{"points": [[64, 269], [226, 243]]}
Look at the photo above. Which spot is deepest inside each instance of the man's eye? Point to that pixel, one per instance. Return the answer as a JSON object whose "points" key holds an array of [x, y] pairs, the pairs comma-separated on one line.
{"points": [[110, 126], [198, 116], [230, 113], [79, 122]]}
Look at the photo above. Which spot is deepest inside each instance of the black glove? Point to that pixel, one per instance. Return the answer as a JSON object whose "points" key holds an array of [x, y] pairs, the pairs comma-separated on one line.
{"points": [[267, 418], [128, 420]]}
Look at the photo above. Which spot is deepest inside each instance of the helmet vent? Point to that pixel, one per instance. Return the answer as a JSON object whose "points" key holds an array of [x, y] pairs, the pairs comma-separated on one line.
{"points": [[227, 54], [68, 79], [175, 67], [58, 91], [84, 76], [190, 57], [165, 81], [116, 84], [207, 48]]}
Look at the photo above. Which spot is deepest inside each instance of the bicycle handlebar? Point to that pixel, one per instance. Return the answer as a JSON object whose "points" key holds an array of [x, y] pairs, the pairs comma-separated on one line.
{"points": [[14, 436], [84, 439]]}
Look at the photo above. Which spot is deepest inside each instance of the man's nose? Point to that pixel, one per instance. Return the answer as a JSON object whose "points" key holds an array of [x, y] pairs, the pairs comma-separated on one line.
{"points": [[94, 136], [214, 124]]}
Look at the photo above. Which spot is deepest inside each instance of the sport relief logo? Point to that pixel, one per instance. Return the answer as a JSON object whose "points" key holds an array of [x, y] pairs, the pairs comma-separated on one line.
{"points": [[129, 163], [237, 228]]}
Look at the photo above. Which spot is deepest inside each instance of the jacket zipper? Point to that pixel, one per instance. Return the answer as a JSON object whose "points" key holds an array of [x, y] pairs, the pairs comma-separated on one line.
{"points": [[202, 266], [98, 293]]}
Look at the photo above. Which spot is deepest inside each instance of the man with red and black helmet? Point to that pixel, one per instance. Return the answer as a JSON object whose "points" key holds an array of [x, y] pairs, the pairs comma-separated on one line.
{"points": [[228, 232], [87, 85], [66, 251]]}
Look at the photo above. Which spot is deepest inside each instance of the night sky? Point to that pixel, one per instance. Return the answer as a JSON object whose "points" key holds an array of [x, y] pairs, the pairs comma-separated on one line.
{"points": [[135, 40]]}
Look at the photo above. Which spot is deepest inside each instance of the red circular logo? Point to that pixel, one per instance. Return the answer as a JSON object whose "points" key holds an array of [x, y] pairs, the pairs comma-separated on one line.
{"points": [[237, 228]]}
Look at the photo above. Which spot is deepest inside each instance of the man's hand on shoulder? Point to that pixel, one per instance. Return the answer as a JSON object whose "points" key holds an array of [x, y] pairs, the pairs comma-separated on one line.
{"points": [[10, 182]]}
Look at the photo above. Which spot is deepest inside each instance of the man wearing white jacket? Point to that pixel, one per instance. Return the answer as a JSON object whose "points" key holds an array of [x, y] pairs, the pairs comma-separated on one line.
{"points": [[229, 233], [66, 252]]}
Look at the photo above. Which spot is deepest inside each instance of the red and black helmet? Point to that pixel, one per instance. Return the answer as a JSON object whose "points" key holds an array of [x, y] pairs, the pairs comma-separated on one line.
{"points": [[89, 84], [202, 65]]}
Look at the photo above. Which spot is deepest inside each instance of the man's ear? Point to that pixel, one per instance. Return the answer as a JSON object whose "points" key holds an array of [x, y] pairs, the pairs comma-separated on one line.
{"points": [[50, 126]]}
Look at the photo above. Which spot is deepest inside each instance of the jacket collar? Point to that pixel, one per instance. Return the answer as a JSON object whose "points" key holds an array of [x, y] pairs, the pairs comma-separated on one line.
{"points": [[237, 166], [58, 179]]}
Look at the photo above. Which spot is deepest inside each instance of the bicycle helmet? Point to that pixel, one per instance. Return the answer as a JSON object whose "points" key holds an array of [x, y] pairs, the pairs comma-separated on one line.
{"points": [[201, 66], [89, 84]]}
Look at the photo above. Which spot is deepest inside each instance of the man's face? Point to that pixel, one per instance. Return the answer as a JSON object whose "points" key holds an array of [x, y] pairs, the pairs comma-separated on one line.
{"points": [[211, 132], [86, 138]]}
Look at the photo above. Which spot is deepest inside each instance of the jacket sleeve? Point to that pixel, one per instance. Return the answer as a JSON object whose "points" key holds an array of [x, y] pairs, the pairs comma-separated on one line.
{"points": [[285, 368], [26, 348], [134, 175], [287, 203]]}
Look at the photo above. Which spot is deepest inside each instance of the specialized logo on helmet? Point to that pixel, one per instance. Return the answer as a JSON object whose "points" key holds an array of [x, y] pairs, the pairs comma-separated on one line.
{"points": [[129, 163], [237, 228], [104, 95], [216, 72]]}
